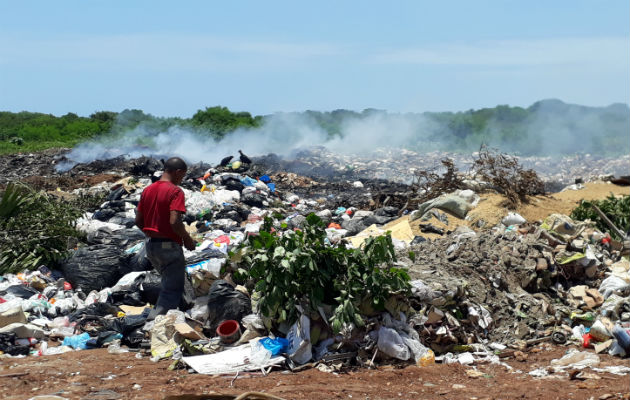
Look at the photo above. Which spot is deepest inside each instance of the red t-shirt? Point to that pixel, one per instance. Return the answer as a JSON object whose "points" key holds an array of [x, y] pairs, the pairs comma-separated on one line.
{"points": [[156, 203]]}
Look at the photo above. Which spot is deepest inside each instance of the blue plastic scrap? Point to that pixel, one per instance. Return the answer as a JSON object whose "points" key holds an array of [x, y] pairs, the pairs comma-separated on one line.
{"points": [[77, 342], [247, 181], [275, 346]]}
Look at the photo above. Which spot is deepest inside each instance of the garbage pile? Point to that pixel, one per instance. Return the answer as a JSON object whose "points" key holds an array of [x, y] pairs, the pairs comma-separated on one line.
{"points": [[319, 163], [522, 283], [471, 294]]}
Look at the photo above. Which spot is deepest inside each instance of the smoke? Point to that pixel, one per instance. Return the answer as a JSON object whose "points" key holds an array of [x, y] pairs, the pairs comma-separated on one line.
{"points": [[547, 127], [282, 133]]}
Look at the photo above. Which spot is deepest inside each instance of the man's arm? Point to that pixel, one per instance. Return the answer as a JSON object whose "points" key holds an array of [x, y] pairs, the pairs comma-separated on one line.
{"points": [[178, 227], [139, 220]]}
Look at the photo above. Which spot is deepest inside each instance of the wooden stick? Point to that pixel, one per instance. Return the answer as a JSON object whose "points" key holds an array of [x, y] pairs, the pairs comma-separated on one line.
{"points": [[15, 375]]}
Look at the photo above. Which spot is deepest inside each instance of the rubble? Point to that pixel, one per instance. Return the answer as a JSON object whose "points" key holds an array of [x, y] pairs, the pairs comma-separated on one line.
{"points": [[474, 292]]}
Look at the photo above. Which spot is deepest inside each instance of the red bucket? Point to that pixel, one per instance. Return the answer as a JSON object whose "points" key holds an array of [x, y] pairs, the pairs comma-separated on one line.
{"points": [[229, 331]]}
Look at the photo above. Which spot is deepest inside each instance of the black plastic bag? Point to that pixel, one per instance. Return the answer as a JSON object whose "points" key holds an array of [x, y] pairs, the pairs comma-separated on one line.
{"points": [[225, 303], [134, 338], [121, 238], [127, 297], [95, 310], [94, 267], [20, 291], [117, 194], [253, 200], [8, 346], [104, 214], [150, 286], [233, 184], [137, 262], [129, 323]]}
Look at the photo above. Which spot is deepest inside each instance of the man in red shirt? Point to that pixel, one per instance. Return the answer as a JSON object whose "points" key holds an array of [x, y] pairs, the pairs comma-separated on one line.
{"points": [[159, 216]]}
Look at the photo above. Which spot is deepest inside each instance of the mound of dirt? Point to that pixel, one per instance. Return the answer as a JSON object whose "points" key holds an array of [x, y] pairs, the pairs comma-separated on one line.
{"points": [[491, 209]]}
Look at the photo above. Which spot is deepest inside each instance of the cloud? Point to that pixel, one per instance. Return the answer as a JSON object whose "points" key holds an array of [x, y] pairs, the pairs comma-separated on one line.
{"points": [[540, 52], [159, 51]]}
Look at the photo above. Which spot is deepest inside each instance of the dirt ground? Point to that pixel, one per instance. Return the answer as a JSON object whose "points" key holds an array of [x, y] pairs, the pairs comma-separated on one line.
{"points": [[540, 207], [96, 374]]}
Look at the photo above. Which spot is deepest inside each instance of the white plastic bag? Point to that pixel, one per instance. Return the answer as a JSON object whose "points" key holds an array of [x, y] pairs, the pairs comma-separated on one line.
{"points": [[200, 309], [259, 354], [575, 359], [390, 343], [418, 350], [613, 284], [513, 219]]}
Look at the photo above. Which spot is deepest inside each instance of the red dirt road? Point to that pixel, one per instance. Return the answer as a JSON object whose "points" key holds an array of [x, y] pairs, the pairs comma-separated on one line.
{"points": [[95, 374]]}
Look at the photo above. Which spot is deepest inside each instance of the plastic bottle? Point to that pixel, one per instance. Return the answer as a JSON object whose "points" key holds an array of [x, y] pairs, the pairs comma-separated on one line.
{"points": [[587, 316]]}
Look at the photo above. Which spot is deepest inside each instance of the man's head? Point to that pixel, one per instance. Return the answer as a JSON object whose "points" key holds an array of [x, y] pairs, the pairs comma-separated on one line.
{"points": [[175, 169]]}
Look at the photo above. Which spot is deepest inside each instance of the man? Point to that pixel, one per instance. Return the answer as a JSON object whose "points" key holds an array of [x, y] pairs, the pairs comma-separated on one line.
{"points": [[159, 216]]}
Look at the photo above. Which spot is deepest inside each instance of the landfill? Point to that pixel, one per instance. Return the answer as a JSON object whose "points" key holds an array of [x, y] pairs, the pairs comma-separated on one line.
{"points": [[477, 293]]}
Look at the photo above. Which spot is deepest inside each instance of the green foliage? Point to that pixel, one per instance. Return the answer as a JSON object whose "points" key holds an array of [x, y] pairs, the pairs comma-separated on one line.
{"points": [[617, 209], [546, 127], [26, 131], [220, 120], [300, 269], [34, 228]]}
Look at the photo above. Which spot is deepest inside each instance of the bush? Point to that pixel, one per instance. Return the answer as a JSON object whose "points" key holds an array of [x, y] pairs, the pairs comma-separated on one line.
{"points": [[617, 209], [34, 228], [300, 269], [507, 176]]}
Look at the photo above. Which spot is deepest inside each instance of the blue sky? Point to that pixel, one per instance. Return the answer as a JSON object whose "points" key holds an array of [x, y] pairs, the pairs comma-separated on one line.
{"points": [[172, 58]]}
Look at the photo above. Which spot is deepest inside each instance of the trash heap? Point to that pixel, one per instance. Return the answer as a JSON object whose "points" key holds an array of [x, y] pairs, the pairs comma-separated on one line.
{"points": [[468, 296], [521, 284]]}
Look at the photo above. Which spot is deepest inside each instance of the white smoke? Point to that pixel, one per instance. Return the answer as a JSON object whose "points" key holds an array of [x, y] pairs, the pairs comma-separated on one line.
{"points": [[551, 127], [281, 133]]}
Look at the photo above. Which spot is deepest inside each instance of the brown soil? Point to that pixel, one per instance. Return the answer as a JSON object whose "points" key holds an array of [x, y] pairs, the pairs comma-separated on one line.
{"points": [[491, 210], [95, 374]]}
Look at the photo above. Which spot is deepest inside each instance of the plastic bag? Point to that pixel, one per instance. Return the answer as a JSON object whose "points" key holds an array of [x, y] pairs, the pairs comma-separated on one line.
{"points": [[225, 303], [513, 219], [576, 360], [94, 267], [200, 309], [299, 337], [421, 354], [390, 343], [77, 342], [275, 346], [259, 354], [613, 284]]}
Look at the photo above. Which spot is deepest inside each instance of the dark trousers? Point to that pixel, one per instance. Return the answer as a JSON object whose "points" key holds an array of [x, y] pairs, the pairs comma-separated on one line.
{"points": [[168, 259]]}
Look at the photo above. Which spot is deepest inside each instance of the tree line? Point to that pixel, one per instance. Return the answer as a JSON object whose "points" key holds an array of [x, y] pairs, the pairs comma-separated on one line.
{"points": [[546, 127]]}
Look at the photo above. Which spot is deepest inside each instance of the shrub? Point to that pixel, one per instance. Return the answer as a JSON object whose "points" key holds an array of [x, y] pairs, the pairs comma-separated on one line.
{"points": [[34, 228], [301, 269], [617, 209]]}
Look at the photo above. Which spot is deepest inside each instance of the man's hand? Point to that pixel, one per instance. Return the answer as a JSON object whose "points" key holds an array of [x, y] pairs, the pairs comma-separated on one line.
{"points": [[180, 229], [189, 243]]}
